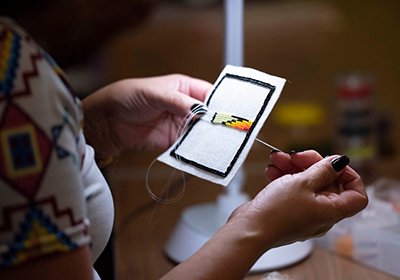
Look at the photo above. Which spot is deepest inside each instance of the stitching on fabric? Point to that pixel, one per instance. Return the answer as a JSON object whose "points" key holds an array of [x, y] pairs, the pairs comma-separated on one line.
{"points": [[248, 133], [232, 121]]}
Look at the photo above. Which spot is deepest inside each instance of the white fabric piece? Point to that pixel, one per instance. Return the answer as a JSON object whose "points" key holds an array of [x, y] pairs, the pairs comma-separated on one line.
{"points": [[216, 152]]}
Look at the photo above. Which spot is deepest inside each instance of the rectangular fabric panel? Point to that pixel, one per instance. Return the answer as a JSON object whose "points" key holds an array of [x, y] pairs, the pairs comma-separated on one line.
{"points": [[216, 145]]}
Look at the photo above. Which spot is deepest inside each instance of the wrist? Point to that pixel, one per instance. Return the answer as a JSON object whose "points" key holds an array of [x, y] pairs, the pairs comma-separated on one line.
{"points": [[105, 162], [260, 229], [244, 240], [97, 130]]}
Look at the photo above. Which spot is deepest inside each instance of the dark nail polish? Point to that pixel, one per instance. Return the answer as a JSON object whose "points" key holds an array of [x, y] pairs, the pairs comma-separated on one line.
{"points": [[198, 109], [194, 107], [340, 162], [274, 151], [293, 152]]}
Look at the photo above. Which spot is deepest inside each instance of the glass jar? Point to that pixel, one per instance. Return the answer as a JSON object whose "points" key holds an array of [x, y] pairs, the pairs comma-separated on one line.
{"points": [[355, 124]]}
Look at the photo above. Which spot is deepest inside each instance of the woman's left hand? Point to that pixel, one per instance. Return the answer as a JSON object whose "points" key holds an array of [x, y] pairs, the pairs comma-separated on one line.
{"points": [[142, 113]]}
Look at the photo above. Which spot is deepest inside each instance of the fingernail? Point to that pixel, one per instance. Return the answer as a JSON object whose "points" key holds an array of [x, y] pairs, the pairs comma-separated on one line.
{"points": [[198, 108], [274, 151], [194, 106], [340, 162], [293, 152]]}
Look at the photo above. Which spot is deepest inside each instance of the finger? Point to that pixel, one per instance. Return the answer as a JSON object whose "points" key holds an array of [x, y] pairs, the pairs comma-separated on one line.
{"points": [[185, 93], [305, 159], [353, 198], [334, 170], [351, 180], [294, 162], [180, 104], [282, 161], [193, 91], [273, 173], [199, 89], [324, 172]]}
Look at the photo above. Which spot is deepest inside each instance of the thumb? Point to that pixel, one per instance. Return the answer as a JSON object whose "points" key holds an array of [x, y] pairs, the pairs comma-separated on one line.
{"points": [[181, 104], [326, 171]]}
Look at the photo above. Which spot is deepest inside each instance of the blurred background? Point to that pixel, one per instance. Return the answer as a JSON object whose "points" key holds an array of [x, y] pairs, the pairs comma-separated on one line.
{"points": [[316, 45], [310, 43]]}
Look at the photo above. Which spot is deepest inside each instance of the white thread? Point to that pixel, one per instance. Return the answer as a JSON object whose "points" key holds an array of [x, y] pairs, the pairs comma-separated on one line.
{"points": [[161, 199], [199, 109]]}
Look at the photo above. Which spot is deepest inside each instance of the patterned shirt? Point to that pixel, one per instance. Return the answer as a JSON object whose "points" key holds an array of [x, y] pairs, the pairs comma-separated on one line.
{"points": [[48, 178]]}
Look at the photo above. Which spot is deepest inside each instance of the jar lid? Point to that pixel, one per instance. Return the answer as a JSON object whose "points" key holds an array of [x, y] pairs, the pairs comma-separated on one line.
{"points": [[299, 113], [354, 87]]}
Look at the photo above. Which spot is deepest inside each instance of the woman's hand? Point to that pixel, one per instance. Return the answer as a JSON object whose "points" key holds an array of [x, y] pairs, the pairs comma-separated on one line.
{"points": [[307, 196], [140, 113]]}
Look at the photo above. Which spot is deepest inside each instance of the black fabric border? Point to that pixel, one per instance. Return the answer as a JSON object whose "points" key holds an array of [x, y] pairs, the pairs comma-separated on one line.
{"points": [[245, 140]]}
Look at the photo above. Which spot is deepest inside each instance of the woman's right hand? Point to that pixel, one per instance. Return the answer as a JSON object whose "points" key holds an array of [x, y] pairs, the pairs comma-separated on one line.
{"points": [[307, 196]]}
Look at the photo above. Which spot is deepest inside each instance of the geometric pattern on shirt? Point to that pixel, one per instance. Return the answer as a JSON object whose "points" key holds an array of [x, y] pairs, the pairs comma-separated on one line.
{"points": [[55, 135], [10, 44], [49, 202], [25, 151], [60, 73], [37, 236], [10, 61], [62, 151]]}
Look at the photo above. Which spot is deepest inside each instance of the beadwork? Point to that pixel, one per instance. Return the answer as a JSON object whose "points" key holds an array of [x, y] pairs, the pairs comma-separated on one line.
{"points": [[232, 121]]}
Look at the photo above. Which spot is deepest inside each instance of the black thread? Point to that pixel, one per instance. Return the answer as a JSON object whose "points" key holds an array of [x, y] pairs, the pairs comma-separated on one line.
{"points": [[213, 118]]}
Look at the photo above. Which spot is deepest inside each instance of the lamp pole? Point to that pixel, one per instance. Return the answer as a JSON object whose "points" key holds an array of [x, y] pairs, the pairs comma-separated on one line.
{"points": [[234, 15]]}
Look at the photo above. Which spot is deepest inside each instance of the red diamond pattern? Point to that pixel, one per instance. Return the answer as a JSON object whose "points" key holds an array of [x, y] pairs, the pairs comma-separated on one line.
{"points": [[24, 151]]}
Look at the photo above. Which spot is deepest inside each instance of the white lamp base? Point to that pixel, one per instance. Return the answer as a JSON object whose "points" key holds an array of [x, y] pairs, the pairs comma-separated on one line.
{"points": [[197, 225]]}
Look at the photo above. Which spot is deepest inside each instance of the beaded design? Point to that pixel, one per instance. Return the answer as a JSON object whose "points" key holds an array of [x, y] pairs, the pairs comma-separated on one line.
{"points": [[232, 121]]}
